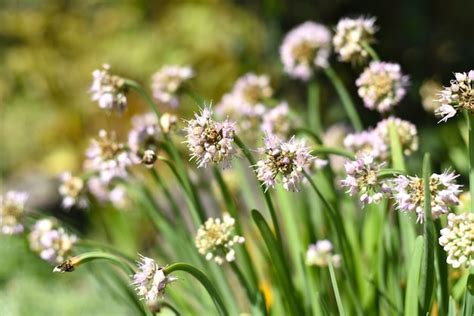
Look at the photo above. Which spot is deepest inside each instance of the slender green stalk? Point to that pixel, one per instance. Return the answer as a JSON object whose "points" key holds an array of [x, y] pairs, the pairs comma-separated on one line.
{"points": [[170, 307], [203, 279], [266, 194], [306, 131], [96, 245], [314, 110], [373, 54], [249, 290], [345, 98], [340, 306], [167, 193], [149, 101], [72, 263], [442, 273], [332, 151], [470, 118]]}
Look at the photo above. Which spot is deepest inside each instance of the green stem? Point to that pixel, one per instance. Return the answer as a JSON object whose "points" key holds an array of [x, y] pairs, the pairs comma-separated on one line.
{"points": [[470, 118], [167, 193], [97, 245], [332, 151], [170, 307], [307, 131], [340, 307], [345, 99], [373, 54], [203, 279], [266, 193], [72, 263], [249, 290], [314, 111], [149, 101]]}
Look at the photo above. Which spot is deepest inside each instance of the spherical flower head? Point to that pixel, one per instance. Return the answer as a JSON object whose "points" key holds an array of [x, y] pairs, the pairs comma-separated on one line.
{"points": [[215, 239], [305, 49], [429, 92], [253, 89], [382, 86], [283, 160], [72, 190], [277, 121], [12, 209], [51, 241], [362, 178], [457, 240], [368, 142], [321, 253], [108, 90], [107, 157], [150, 280], [210, 141], [406, 131], [351, 35], [167, 82], [145, 134], [408, 193], [458, 95]]}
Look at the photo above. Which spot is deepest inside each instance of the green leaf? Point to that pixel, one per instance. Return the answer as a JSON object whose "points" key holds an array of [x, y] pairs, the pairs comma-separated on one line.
{"points": [[411, 294]]}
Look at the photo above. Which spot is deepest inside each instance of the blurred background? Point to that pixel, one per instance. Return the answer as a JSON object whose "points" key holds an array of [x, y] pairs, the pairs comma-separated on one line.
{"points": [[48, 50]]}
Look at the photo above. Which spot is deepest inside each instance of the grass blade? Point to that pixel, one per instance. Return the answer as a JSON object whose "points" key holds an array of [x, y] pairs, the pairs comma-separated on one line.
{"points": [[411, 294]]}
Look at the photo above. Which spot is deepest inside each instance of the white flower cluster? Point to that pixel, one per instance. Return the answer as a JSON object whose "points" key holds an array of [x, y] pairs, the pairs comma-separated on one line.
{"points": [[305, 49], [351, 35], [210, 141], [408, 193], [12, 209], [108, 90], [321, 253], [108, 192], [283, 159], [382, 86], [277, 121], [459, 95], [51, 241], [107, 157], [215, 239], [150, 280], [362, 178], [367, 142], [167, 81], [457, 240], [145, 134], [72, 190]]}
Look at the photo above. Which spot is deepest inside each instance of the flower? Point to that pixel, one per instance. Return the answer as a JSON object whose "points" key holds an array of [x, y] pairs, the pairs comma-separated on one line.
{"points": [[320, 253], [460, 94], [167, 81], [51, 241], [408, 193], [107, 157], [150, 280], [382, 85], [215, 239], [304, 49], [457, 240], [12, 209], [277, 121], [145, 134], [108, 90], [351, 35], [253, 89], [108, 192], [210, 141], [369, 142], [406, 131], [428, 91], [362, 179], [285, 159], [72, 191]]}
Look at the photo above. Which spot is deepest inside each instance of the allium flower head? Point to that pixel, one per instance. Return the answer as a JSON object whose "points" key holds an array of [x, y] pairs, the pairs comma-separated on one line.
{"points": [[382, 85], [286, 160], [107, 157], [51, 241], [167, 81], [407, 133], [145, 134], [150, 280], [12, 209], [457, 240], [72, 190], [459, 95], [362, 179], [320, 253], [409, 194], [368, 142], [304, 49], [108, 90], [210, 141], [277, 121], [215, 239], [350, 36]]}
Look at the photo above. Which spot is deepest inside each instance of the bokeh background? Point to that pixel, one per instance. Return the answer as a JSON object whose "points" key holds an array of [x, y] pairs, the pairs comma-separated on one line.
{"points": [[48, 50]]}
